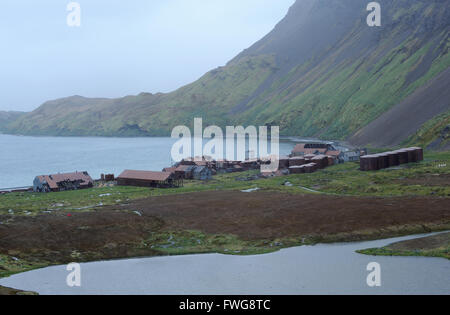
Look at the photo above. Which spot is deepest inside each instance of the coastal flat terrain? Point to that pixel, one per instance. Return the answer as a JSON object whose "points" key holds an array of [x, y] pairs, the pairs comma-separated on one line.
{"points": [[216, 221]]}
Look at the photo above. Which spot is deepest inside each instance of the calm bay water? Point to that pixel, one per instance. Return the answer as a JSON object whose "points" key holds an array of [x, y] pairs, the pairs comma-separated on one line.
{"points": [[321, 269], [23, 158]]}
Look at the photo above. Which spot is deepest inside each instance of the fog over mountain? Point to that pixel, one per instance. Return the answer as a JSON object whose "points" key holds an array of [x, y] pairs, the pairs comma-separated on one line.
{"points": [[321, 72]]}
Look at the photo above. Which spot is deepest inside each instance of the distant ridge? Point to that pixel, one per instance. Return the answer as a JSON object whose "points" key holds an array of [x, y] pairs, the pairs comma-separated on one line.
{"points": [[322, 72]]}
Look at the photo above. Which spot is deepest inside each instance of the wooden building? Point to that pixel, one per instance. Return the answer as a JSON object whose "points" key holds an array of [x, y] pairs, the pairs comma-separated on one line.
{"points": [[148, 179], [62, 182]]}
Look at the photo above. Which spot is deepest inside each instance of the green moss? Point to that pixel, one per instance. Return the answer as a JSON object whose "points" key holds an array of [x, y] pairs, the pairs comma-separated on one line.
{"points": [[432, 246], [195, 242], [10, 265], [431, 131], [440, 253]]}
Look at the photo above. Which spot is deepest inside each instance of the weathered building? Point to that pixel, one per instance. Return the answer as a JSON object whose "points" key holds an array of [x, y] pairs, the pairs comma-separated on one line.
{"points": [[321, 161], [297, 161], [107, 177], [202, 173], [337, 155], [148, 179], [351, 156], [61, 182], [184, 172]]}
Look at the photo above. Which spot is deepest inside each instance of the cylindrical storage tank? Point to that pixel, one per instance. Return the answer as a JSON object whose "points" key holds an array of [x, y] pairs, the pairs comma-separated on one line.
{"points": [[402, 156], [372, 162], [393, 159], [297, 161], [364, 164], [420, 153], [331, 161], [319, 160], [308, 157], [283, 163], [412, 155], [380, 162], [296, 169], [374, 165], [384, 160], [310, 168]]}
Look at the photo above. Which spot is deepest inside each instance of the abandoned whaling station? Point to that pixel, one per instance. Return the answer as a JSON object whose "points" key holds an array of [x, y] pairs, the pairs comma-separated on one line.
{"points": [[304, 158]]}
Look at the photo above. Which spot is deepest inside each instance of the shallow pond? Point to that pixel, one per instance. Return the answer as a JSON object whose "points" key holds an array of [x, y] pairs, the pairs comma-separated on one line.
{"points": [[320, 269]]}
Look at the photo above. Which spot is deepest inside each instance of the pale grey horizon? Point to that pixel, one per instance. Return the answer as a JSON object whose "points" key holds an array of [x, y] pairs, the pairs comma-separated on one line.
{"points": [[122, 48]]}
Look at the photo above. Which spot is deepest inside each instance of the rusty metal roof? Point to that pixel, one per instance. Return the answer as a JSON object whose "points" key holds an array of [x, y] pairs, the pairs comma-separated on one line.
{"points": [[54, 179], [169, 169], [145, 175], [184, 168], [334, 153], [297, 158]]}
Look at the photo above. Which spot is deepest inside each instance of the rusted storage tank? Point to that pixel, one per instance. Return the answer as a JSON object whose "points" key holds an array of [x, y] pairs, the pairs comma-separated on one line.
{"points": [[417, 153], [402, 156], [420, 152], [321, 161], [310, 168], [412, 155], [379, 161], [364, 164], [393, 158], [383, 160], [370, 162], [297, 161], [331, 160], [374, 166], [297, 169], [283, 162]]}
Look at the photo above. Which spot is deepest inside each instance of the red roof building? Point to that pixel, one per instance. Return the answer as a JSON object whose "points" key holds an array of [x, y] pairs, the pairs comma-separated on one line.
{"points": [[61, 182], [147, 179]]}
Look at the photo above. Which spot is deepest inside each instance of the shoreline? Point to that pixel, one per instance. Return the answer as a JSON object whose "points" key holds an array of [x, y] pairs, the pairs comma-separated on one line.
{"points": [[436, 245], [403, 239]]}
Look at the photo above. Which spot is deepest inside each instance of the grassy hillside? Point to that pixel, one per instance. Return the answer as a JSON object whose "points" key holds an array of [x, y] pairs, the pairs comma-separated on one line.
{"points": [[435, 134], [8, 117], [321, 72]]}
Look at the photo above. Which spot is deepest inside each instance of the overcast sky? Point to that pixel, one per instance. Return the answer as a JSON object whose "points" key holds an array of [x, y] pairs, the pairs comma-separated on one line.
{"points": [[122, 47]]}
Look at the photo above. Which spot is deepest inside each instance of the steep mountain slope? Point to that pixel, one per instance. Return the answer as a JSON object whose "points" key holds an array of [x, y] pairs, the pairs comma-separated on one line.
{"points": [[405, 118], [321, 72], [434, 134]]}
